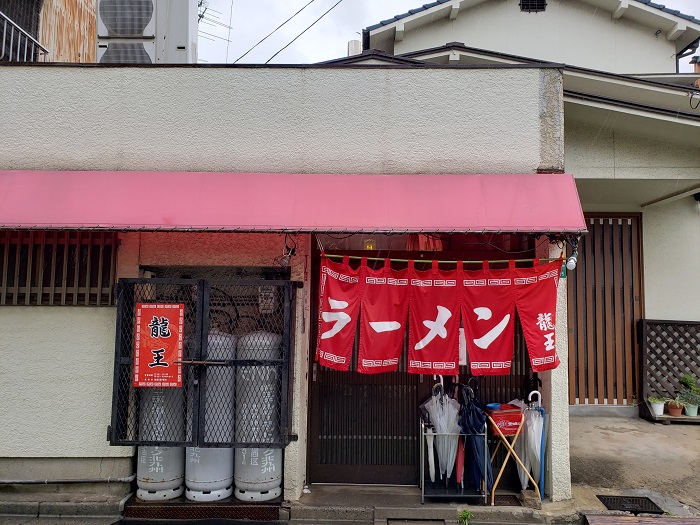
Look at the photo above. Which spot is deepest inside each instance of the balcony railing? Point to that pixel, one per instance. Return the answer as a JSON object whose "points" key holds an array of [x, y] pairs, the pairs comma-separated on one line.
{"points": [[16, 44]]}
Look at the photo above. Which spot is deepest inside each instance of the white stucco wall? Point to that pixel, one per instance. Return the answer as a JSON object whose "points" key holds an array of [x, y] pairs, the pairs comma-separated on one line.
{"points": [[671, 283], [56, 382], [571, 32], [283, 119], [594, 151]]}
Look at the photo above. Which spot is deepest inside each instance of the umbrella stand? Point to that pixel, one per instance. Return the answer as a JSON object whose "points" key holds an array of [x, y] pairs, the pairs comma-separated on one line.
{"points": [[509, 446]]}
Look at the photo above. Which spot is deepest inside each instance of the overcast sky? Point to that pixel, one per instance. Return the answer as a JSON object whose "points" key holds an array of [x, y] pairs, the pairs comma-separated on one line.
{"points": [[251, 20]]}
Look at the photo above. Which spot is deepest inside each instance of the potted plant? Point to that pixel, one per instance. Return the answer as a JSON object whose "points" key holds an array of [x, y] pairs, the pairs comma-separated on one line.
{"points": [[691, 400], [657, 405], [675, 406]]}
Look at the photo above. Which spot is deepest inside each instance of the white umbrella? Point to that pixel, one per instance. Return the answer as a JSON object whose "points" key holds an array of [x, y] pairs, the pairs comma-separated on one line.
{"points": [[521, 448], [431, 455], [444, 413], [534, 437], [533, 447], [529, 445]]}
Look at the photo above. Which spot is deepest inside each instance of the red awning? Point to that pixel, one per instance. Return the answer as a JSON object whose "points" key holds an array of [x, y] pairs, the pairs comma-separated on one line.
{"points": [[278, 202]]}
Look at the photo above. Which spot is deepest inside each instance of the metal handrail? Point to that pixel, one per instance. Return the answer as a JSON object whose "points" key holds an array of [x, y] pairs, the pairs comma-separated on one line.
{"points": [[22, 35]]}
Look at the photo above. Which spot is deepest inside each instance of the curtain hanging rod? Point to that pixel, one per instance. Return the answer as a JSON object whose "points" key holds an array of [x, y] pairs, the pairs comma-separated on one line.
{"points": [[440, 262]]}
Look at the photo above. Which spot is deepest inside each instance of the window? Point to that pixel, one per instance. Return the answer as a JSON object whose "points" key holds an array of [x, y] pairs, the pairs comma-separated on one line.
{"points": [[533, 6], [50, 267]]}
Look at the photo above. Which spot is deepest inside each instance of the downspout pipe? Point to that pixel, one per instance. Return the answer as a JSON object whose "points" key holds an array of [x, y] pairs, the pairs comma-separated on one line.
{"points": [[127, 479]]}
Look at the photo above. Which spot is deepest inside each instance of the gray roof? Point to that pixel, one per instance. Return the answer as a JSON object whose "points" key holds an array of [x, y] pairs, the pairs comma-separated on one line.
{"points": [[410, 12], [670, 11], [404, 15]]}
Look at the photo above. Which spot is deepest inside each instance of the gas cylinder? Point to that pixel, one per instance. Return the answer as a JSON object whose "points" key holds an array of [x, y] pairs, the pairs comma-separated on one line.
{"points": [[209, 471], [258, 471], [160, 471]]}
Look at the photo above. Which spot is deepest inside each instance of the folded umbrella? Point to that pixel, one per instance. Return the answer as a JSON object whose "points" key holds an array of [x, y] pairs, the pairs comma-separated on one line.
{"points": [[459, 462], [521, 448], [431, 456], [472, 420], [443, 413]]}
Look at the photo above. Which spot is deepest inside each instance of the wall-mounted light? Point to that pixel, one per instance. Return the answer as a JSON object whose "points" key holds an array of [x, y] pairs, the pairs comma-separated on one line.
{"points": [[571, 261]]}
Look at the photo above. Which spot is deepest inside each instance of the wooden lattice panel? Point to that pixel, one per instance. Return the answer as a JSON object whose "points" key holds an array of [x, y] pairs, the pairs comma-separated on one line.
{"points": [[670, 349]]}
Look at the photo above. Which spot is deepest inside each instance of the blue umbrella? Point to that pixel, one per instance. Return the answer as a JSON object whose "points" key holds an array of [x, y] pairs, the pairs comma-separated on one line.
{"points": [[472, 420]]}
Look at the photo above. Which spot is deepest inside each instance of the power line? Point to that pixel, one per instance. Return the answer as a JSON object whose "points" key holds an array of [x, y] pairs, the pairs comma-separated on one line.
{"points": [[304, 31], [274, 30]]}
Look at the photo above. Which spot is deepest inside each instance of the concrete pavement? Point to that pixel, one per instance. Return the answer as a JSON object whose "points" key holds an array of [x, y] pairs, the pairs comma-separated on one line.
{"points": [[609, 455]]}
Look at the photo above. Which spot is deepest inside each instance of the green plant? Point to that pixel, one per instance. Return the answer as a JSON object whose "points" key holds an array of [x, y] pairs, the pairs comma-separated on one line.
{"points": [[690, 397], [464, 517], [690, 383], [677, 401], [656, 399]]}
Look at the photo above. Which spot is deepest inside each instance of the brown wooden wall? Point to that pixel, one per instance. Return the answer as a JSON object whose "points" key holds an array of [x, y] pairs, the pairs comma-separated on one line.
{"points": [[67, 28], [604, 305]]}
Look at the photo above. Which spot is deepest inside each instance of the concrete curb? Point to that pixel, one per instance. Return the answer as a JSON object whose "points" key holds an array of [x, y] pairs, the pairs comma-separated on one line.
{"points": [[483, 515], [60, 508], [19, 508]]}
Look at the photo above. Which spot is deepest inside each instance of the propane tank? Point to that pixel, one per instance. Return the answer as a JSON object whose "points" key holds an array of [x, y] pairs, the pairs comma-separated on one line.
{"points": [[258, 471], [160, 471], [209, 471]]}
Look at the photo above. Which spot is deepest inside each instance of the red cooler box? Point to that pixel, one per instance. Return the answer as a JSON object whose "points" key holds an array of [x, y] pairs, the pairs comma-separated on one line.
{"points": [[507, 418]]}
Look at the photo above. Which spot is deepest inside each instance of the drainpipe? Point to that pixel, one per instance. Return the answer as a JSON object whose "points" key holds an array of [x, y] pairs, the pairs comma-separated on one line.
{"points": [[127, 479], [696, 65]]}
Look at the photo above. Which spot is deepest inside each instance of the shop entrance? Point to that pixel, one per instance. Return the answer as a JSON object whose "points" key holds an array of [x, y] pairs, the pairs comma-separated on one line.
{"points": [[365, 428]]}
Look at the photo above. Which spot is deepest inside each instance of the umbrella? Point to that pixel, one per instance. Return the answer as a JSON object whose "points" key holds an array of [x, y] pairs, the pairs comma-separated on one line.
{"points": [[521, 447], [443, 412], [472, 420], [431, 458], [459, 468], [535, 438]]}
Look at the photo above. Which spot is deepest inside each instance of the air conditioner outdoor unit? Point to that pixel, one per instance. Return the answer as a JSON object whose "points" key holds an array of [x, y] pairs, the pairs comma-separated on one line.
{"points": [[146, 31], [126, 52], [126, 19]]}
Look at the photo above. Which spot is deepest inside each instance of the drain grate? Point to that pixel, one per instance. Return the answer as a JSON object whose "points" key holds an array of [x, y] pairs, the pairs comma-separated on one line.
{"points": [[507, 500], [633, 504]]}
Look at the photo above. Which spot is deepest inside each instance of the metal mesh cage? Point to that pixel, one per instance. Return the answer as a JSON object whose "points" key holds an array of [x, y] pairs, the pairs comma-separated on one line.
{"points": [[235, 366], [151, 416]]}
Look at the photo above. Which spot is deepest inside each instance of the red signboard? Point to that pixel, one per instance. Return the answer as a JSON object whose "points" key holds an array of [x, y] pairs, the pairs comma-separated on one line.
{"points": [[158, 344], [435, 303]]}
